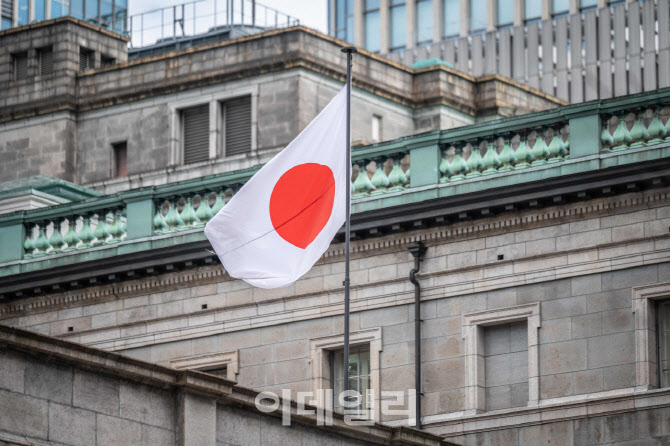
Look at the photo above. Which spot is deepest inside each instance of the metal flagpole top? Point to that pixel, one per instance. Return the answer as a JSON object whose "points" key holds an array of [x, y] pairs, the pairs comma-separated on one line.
{"points": [[349, 49]]}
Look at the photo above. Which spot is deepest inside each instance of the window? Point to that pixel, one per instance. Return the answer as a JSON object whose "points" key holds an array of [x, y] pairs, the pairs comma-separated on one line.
{"points": [[663, 330], [91, 10], [372, 29], [6, 13], [106, 61], [359, 376], [20, 65], [344, 20], [24, 12], [120, 151], [59, 8], [223, 365], [85, 59], [588, 4], [424, 22], [532, 11], [506, 365], [505, 13], [195, 131], [40, 10], [559, 7], [237, 125], [46, 60], [77, 8], [452, 18], [478, 12], [398, 25], [106, 10], [493, 338], [325, 353], [120, 13], [376, 128]]}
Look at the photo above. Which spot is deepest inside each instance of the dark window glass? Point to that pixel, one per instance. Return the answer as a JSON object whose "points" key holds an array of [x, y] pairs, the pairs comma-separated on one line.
{"points": [[120, 159]]}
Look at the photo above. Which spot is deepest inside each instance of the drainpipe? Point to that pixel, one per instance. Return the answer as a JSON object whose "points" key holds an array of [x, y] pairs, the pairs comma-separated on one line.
{"points": [[418, 250]]}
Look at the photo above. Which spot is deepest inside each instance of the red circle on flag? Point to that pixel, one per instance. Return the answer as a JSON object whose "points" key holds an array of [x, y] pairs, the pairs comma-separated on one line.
{"points": [[301, 203]]}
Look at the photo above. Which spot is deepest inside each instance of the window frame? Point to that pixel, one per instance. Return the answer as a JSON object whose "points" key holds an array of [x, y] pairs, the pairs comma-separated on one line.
{"points": [[473, 335], [116, 149], [209, 361], [213, 98], [40, 54], [396, 4], [322, 368], [361, 348], [15, 65], [366, 14], [645, 308]]}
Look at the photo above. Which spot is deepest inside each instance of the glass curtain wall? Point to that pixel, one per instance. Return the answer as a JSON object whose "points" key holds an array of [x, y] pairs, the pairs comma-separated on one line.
{"points": [[372, 28], [398, 25], [424, 22], [452, 18], [478, 13]]}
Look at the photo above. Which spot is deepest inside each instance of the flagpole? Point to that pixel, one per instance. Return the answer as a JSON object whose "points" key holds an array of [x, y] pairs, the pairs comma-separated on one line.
{"points": [[349, 50]]}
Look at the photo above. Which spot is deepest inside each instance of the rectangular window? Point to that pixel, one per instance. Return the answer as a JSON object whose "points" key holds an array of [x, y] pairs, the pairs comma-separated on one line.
{"points": [[588, 4], [560, 7], [505, 13], [424, 22], [120, 15], [6, 14], [532, 11], [663, 313], [506, 365], [85, 59], [91, 11], [40, 10], [221, 372], [59, 8], [106, 61], [372, 28], [344, 20], [24, 12], [376, 128], [452, 18], [398, 25], [20, 65], [46, 60], [478, 14], [120, 159], [195, 125], [77, 8], [359, 375], [237, 125]]}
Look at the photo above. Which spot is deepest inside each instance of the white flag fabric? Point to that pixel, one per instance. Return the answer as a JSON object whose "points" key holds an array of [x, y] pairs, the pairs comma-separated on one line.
{"points": [[283, 219]]}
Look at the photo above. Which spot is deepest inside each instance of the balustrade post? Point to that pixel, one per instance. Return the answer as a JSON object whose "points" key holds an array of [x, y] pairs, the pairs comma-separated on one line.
{"points": [[585, 134], [12, 237], [139, 219], [424, 162]]}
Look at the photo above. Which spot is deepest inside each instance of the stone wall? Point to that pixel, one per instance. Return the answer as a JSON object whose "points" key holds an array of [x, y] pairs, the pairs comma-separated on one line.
{"points": [[39, 146], [53, 392], [577, 264]]}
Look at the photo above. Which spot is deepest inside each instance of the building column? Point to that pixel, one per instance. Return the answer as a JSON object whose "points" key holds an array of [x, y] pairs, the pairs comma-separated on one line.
{"points": [[359, 26], [519, 12], [332, 4], [384, 26], [574, 6], [438, 22], [491, 15], [196, 424], [410, 11], [15, 14], [465, 18], [546, 9]]}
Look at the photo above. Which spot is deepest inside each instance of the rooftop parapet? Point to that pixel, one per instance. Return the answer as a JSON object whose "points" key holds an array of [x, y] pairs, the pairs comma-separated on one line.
{"points": [[431, 178]]}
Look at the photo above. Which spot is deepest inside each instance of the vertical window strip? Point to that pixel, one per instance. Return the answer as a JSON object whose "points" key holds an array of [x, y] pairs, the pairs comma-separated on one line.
{"points": [[237, 122], [195, 124], [398, 25], [20, 65], [478, 13], [452, 18], [46, 60], [372, 26], [424, 22]]}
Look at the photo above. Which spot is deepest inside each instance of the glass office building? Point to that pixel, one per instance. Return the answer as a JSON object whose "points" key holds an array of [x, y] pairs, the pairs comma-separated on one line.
{"points": [[109, 14]]}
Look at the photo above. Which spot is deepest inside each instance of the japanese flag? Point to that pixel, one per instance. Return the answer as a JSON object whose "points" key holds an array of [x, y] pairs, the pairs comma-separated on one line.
{"points": [[284, 218]]}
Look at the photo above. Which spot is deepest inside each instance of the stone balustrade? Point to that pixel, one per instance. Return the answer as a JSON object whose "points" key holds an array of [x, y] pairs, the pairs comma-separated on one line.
{"points": [[639, 127], [504, 152], [78, 231], [568, 140]]}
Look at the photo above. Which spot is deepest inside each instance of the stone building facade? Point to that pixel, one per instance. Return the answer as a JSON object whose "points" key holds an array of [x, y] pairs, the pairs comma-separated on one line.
{"points": [[543, 286], [82, 117]]}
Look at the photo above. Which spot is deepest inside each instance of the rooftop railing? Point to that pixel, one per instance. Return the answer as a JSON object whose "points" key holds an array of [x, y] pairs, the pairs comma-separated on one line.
{"points": [[202, 17], [567, 140]]}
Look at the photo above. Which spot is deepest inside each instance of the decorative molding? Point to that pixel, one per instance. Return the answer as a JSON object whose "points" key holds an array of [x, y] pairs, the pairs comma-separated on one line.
{"points": [[473, 334], [203, 275], [320, 365], [646, 351], [210, 361]]}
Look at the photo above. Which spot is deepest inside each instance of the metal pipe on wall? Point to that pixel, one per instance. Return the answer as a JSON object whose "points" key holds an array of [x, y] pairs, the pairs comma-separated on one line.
{"points": [[418, 250]]}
